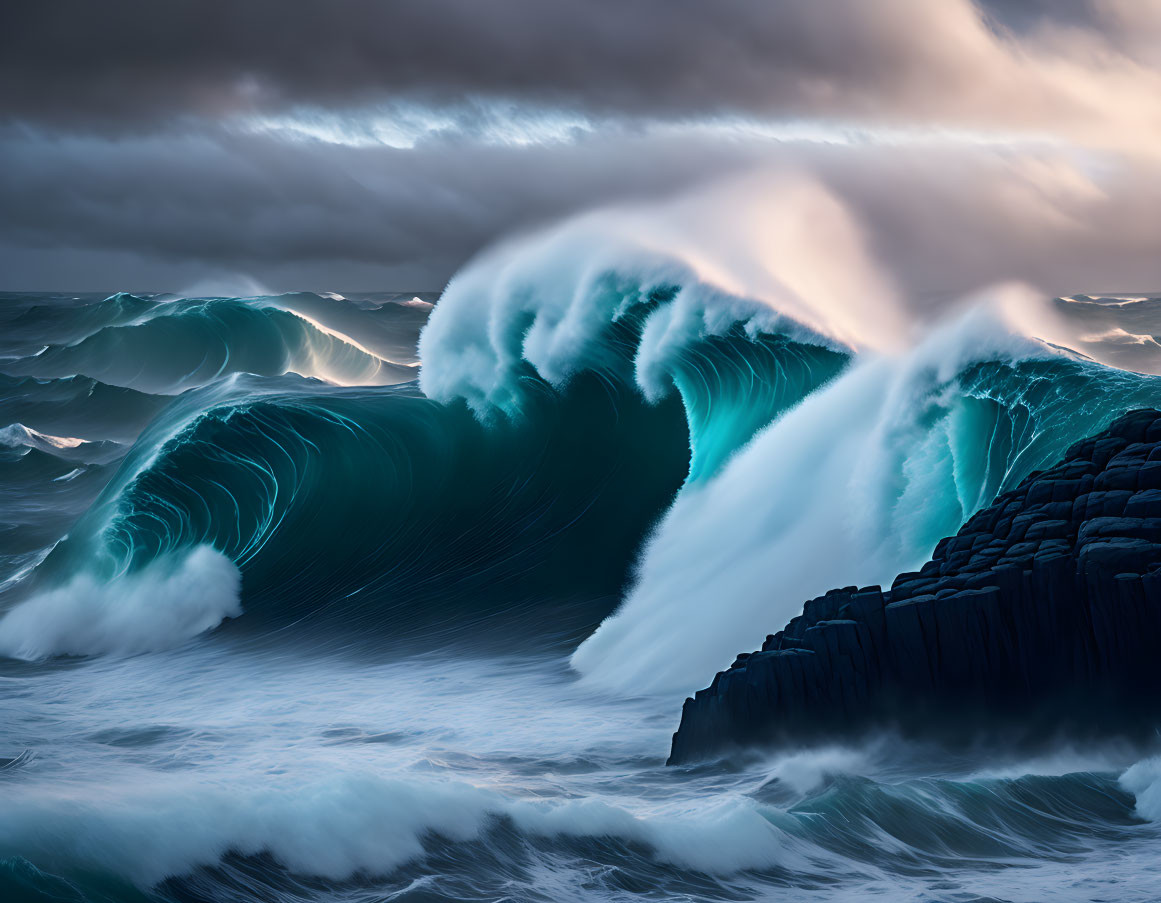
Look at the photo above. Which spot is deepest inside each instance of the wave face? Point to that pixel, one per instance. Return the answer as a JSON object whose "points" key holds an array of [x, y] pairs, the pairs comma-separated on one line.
{"points": [[82, 376], [368, 504]]}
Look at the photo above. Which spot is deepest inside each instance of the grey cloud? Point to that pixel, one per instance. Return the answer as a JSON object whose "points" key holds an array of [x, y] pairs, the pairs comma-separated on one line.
{"points": [[139, 58], [138, 61], [333, 214], [124, 150], [308, 214]]}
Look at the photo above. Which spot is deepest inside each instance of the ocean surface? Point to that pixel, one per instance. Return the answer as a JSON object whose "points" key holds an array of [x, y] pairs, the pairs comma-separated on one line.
{"points": [[285, 616]]}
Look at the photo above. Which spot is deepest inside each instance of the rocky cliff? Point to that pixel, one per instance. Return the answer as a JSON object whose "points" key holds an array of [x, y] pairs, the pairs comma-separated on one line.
{"points": [[1040, 618]]}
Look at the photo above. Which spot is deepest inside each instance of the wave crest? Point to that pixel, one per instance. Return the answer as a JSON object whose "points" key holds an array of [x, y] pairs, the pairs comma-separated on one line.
{"points": [[744, 318]]}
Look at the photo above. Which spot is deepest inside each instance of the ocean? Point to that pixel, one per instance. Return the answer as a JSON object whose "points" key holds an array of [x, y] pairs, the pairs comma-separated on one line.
{"points": [[287, 616]]}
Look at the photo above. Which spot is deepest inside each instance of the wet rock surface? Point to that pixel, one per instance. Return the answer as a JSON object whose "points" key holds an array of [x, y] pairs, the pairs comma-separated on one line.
{"points": [[1040, 619]]}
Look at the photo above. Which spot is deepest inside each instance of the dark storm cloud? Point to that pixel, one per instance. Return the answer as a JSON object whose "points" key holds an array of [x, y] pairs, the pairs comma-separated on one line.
{"points": [[99, 64], [316, 215], [259, 203], [130, 146]]}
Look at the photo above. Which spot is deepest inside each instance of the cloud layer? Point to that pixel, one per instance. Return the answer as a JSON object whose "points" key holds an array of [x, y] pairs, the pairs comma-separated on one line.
{"points": [[148, 141], [1015, 62]]}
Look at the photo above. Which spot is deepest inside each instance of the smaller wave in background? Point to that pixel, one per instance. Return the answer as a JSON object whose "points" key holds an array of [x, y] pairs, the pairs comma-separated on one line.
{"points": [[169, 346], [66, 432]]}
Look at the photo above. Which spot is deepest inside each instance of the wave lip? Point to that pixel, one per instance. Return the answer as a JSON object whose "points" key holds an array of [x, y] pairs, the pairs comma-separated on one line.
{"points": [[20, 440], [1143, 780], [742, 318]]}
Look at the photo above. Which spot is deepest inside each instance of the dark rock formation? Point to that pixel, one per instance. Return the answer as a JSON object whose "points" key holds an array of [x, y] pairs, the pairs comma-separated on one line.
{"points": [[1040, 618]]}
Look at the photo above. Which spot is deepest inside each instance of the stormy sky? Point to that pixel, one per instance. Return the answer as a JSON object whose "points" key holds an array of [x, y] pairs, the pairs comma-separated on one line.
{"points": [[378, 144]]}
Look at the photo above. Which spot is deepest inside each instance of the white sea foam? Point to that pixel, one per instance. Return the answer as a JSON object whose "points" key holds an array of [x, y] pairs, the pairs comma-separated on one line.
{"points": [[281, 754], [851, 487], [345, 825], [172, 600], [166, 763], [333, 828], [1143, 780], [804, 771]]}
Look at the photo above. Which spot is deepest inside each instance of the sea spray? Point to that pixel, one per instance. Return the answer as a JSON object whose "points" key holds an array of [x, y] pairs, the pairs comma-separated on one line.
{"points": [[171, 600], [796, 266], [852, 487]]}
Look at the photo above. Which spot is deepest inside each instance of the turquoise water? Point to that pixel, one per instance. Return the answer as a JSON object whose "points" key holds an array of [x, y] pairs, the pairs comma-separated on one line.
{"points": [[278, 626]]}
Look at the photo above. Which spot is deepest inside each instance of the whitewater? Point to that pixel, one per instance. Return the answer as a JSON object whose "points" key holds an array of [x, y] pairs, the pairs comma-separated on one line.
{"points": [[397, 597]]}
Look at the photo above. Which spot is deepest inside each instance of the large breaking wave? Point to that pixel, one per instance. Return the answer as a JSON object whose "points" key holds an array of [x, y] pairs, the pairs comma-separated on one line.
{"points": [[880, 429], [635, 408]]}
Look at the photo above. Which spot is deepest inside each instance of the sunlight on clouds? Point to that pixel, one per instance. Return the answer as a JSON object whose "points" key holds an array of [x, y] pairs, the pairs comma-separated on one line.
{"points": [[513, 125], [405, 126]]}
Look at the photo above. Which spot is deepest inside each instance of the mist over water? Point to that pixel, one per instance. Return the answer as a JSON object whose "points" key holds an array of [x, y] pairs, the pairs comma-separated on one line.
{"points": [[280, 622]]}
